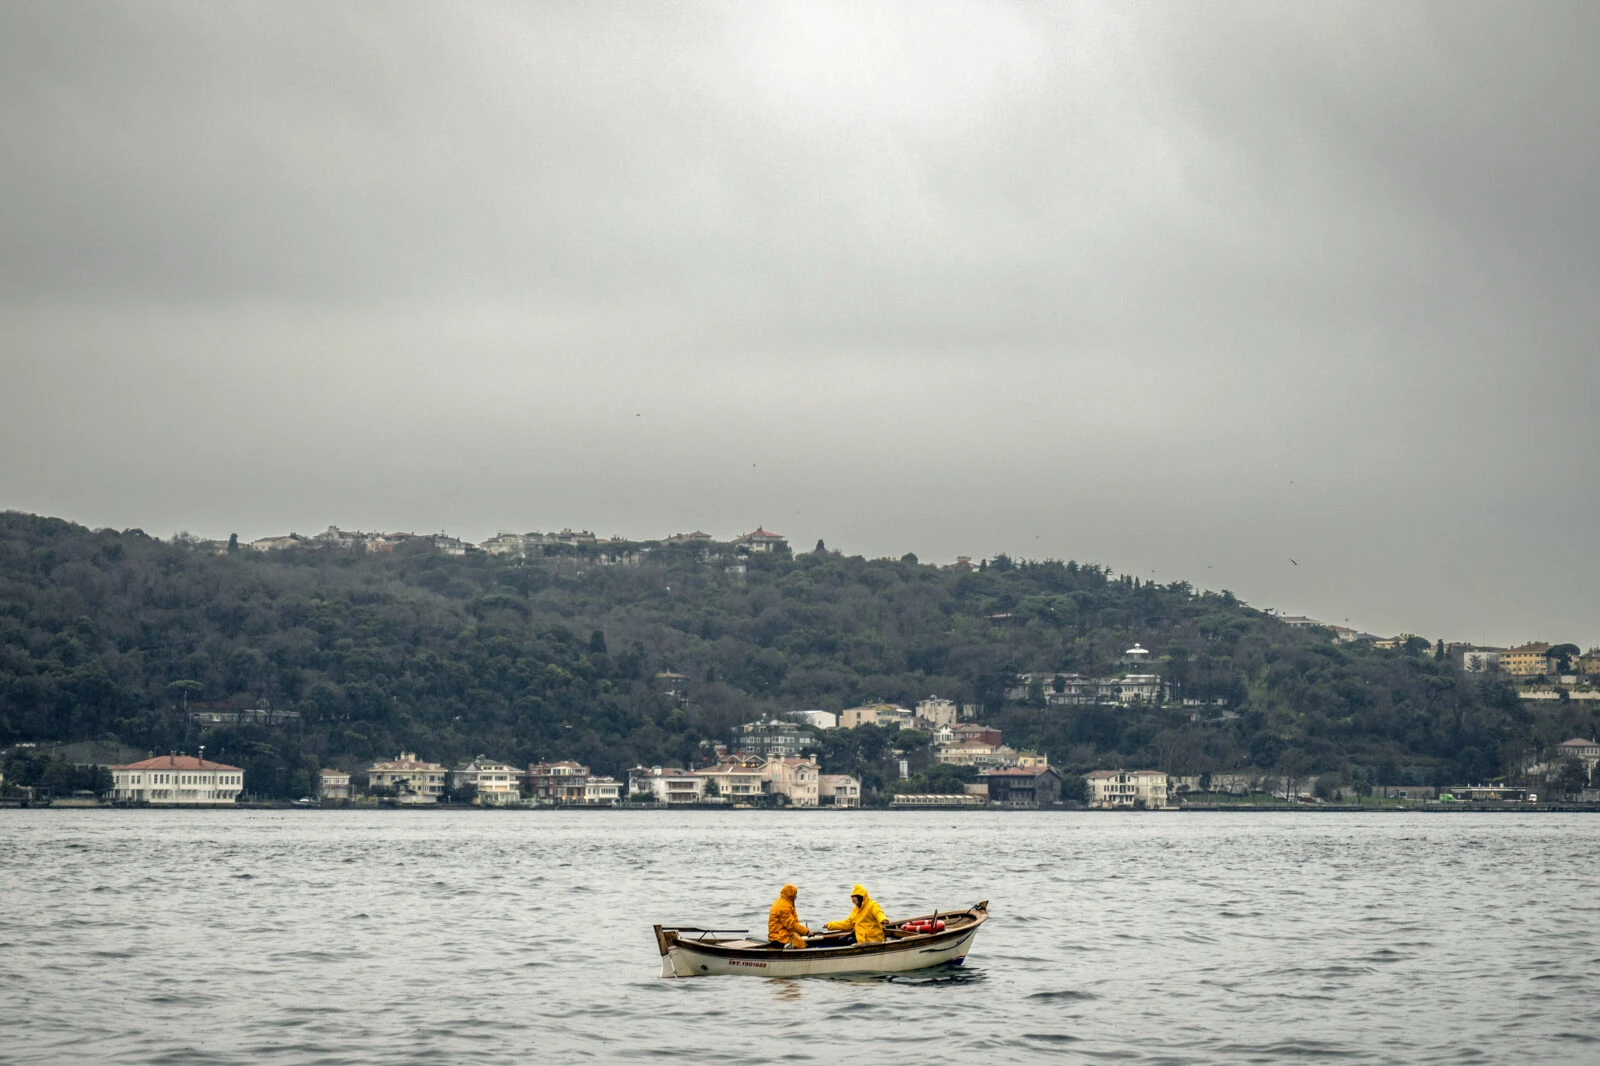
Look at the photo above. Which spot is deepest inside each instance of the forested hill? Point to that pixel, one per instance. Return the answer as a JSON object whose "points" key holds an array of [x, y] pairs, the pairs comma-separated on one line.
{"points": [[106, 636]]}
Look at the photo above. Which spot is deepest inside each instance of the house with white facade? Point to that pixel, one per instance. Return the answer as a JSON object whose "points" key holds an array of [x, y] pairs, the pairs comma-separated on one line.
{"points": [[177, 781], [411, 780], [601, 791], [498, 784], [333, 785], [816, 719], [1124, 789], [670, 786]]}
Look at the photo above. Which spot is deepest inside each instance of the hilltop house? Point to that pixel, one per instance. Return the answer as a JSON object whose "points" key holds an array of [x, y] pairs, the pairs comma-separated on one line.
{"points": [[762, 540], [1529, 660], [884, 714]]}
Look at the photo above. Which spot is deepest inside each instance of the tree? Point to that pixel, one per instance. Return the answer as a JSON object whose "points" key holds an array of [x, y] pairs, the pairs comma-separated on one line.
{"points": [[1571, 776], [1562, 655], [183, 689], [909, 557], [233, 543]]}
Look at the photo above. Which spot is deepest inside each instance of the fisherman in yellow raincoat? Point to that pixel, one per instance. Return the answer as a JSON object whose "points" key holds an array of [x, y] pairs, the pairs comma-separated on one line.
{"points": [[783, 924], [866, 921]]}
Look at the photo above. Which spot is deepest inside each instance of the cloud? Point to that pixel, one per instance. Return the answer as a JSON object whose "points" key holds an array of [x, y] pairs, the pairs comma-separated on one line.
{"points": [[1094, 281]]}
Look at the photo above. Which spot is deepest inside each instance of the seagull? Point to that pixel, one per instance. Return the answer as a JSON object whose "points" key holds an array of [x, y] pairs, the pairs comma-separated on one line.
{"points": [[1292, 561]]}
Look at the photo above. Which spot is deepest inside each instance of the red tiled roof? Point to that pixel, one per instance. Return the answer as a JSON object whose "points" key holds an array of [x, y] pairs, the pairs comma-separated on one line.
{"points": [[1579, 742], [175, 762], [762, 534]]}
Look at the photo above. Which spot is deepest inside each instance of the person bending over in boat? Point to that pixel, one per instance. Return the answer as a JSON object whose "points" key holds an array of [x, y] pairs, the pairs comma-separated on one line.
{"points": [[865, 923], [783, 924]]}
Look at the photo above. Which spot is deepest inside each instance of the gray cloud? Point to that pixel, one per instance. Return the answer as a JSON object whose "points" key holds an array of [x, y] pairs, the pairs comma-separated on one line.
{"points": [[1187, 289]]}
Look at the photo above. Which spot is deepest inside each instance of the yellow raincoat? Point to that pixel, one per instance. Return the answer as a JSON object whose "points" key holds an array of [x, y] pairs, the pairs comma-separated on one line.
{"points": [[783, 924], [866, 921]]}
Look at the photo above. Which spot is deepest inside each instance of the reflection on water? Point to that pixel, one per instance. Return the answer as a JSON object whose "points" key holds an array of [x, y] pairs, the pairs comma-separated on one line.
{"points": [[504, 937]]}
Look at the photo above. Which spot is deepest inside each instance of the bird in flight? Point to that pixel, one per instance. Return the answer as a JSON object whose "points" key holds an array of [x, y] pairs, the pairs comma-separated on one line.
{"points": [[1292, 561]]}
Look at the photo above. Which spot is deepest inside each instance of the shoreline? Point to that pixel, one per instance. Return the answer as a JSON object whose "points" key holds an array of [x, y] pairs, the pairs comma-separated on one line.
{"points": [[1431, 808]]}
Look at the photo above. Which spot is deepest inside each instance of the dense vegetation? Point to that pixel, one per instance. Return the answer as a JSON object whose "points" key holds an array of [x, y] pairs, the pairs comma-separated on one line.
{"points": [[111, 636]]}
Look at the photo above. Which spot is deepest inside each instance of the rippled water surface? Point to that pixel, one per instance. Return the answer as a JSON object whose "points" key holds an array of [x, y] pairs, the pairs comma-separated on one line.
{"points": [[132, 937]]}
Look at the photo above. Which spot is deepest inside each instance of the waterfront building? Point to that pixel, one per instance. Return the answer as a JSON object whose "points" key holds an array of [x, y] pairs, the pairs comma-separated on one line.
{"points": [[333, 785], [498, 784], [601, 791], [1113, 789], [177, 781], [838, 790], [412, 780], [670, 786], [564, 782], [794, 778], [1018, 786], [735, 781], [938, 799]]}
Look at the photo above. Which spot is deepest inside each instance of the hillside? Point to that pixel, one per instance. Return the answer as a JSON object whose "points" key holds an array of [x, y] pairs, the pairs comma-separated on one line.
{"points": [[110, 636]]}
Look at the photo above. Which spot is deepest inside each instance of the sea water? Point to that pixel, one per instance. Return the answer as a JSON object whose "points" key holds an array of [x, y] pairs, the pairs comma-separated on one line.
{"points": [[174, 937]]}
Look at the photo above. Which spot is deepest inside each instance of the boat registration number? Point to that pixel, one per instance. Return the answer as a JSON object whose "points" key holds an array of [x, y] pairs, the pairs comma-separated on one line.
{"points": [[742, 962]]}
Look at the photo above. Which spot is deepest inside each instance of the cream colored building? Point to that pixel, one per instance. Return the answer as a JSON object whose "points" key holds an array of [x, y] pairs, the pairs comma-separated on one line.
{"points": [[499, 784], [796, 779], [1114, 789], [937, 711], [333, 785], [412, 780], [601, 791], [875, 714], [735, 781], [838, 790], [176, 781], [1530, 660]]}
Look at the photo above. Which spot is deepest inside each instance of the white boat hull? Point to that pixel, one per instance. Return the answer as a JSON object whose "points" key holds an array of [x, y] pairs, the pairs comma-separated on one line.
{"points": [[682, 956]]}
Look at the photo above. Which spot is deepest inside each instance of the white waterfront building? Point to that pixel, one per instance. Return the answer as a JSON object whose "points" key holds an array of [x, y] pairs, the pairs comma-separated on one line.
{"points": [[176, 781]]}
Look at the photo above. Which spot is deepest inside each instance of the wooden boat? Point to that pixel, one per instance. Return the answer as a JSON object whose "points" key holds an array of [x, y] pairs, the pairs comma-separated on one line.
{"points": [[688, 951]]}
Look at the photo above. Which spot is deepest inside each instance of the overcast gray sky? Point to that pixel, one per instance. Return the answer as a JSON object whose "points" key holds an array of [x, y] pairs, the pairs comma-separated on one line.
{"points": [[1193, 290]]}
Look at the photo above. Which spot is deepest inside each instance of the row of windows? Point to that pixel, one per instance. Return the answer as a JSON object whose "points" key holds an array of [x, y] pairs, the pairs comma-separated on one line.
{"points": [[186, 779]]}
